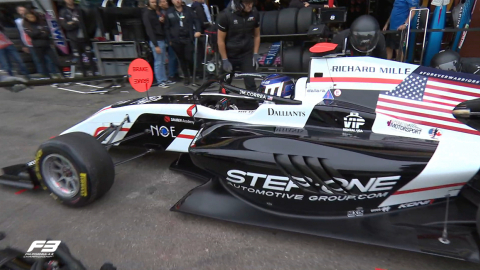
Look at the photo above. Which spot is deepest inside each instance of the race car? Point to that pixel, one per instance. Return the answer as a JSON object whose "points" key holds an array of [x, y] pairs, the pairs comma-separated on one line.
{"points": [[365, 149]]}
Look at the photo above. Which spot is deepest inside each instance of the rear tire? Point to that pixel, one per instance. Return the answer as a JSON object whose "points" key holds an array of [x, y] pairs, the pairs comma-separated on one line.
{"points": [[306, 59], [305, 18], [75, 168], [292, 59], [287, 21], [269, 24]]}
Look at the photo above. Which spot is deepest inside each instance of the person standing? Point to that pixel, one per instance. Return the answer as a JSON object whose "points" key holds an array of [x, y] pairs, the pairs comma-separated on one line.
{"points": [[37, 29], [27, 41], [71, 19], [8, 51], [156, 34], [172, 57], [239, 38], [197, 7], [398, 21], [180, 22]]}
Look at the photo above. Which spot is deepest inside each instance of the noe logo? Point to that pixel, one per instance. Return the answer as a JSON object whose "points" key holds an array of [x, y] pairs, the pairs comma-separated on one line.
{"points": [[47, 249]]}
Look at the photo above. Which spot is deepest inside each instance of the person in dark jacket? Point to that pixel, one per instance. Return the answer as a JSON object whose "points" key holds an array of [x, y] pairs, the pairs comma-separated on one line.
{"points": [[182, 27], [71, 20], [36, 28], [239, 38], [197, 7], [172, 57], [156, 33]]}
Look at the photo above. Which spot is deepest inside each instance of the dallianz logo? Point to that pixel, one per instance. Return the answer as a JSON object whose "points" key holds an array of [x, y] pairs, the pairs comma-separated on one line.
{"points": [[285, 113], [47, 249]]}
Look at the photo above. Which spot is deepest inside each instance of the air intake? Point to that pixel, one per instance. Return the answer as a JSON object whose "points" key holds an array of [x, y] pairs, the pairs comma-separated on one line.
{"points": [[310, 174]]}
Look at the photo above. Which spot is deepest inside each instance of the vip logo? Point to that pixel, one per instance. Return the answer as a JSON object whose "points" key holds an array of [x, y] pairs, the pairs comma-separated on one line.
{"points": [[47, 248], [353, 121]]}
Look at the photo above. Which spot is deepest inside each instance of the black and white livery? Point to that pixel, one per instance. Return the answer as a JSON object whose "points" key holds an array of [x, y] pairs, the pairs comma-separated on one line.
{"points": [[367, 150]]}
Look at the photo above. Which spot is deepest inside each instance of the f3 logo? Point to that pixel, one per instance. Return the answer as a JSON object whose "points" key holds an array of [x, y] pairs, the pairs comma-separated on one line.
{"points": [[50, 246]]}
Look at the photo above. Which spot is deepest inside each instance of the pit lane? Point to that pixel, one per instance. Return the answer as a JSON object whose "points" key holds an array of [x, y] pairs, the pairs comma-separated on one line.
{"points": [[132, 227]]}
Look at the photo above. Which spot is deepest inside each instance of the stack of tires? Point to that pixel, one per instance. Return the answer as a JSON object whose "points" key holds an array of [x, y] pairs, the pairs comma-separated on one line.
{"points": [[296, 58], [14, 35], [286, 21]]}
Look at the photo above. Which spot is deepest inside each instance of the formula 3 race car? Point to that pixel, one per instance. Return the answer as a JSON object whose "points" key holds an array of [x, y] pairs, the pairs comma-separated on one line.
{"points": [[366, 150]]}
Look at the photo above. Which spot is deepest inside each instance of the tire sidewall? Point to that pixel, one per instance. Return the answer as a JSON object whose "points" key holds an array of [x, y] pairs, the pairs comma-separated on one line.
{"points": [[85, 191]]}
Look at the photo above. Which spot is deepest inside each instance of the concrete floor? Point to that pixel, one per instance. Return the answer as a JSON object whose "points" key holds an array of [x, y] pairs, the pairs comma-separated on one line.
{"points": [[132, 226]]}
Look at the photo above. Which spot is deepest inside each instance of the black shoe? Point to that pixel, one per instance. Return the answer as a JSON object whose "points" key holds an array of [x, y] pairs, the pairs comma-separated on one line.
{"points": [[186, 81]]}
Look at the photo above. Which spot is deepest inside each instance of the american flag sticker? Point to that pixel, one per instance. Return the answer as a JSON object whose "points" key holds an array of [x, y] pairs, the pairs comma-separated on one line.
{"points": [[428, 101]]}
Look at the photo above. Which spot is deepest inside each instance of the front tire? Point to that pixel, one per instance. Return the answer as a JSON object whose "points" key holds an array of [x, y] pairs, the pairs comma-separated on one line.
{"points": [[75, 168]]}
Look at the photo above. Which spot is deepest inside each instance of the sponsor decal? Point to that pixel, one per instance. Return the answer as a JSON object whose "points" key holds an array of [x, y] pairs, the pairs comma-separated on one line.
{"points": [[48, 249], [332, 17], [355, 213], [337, 92], [235, 22], [316, 90], [83, 185], [414, 204], [405, 127], [258, 183], [295, 131], [122, 102], [57, 34], [328, 95], [340, 198], [179, 120], [434, 132], [449, 77], [383, 209], [245, 111], [253, 94], [37, 165], [31, 163], [162, 131], [366, 69], [147, 100], [353, 122], [251, 19], [274, 112]]}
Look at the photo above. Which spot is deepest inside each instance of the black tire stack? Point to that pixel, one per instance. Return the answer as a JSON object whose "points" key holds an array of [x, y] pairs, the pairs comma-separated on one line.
{"points": [[287, 21], [296, 58], [14, 35]]}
